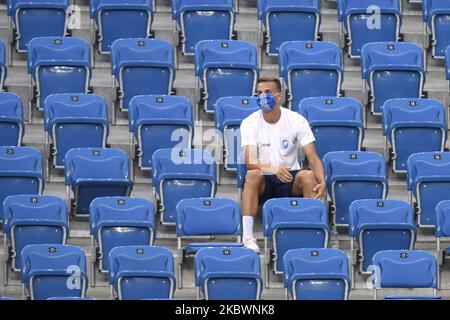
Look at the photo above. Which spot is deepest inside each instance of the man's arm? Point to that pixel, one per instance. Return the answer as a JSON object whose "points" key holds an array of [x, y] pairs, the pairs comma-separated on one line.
{"points": [[252, 162], [317, 168]]}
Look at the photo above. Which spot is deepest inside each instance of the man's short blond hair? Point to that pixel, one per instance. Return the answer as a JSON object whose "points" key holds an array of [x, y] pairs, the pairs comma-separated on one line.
{"points": [[270, 79]]}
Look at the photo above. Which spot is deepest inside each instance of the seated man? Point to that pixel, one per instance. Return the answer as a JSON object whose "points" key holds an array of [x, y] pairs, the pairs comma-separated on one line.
{"points": [[271, 138]]}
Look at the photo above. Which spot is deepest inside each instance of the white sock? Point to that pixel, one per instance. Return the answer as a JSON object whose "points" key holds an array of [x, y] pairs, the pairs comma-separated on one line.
{"points": [[247, 226]]}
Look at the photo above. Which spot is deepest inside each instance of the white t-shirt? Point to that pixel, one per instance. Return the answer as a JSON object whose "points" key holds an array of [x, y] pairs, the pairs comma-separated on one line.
{"points": [[277, 143]]}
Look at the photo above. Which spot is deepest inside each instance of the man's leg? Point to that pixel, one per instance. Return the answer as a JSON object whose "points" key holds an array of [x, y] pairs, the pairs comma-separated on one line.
{"points": [[253, 188], [304, 183]]}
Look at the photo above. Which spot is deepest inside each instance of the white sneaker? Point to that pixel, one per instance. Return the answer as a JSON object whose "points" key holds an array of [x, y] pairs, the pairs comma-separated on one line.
{"points": [[251, 244]]}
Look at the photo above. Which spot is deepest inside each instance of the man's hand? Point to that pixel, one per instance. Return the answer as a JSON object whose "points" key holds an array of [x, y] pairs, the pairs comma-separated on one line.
{"points": [[284, 175], [320, 189]]}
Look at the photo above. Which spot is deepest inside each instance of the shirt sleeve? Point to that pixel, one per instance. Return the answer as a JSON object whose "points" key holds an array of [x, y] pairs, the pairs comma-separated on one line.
{"points": [[248, 133], [305, 134]]}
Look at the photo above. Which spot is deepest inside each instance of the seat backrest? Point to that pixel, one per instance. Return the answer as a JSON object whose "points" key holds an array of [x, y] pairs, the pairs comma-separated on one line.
{"points": [[95, 163], [34, 210], [206, 5], [57, 259], [378, 211], [24, 160], [404, 269], [443, 219], [230, 111], [301, 210], [179, 162], [208, 216], [160, 109], [227, 260], [2, 53], [346, 7], [354, 164], [225, 54], [427, 164], [391, 56], [95, 6], [431, 7], [141, 52], [331, 109], [309, 55], [78, 106], [414, 111], [139, 259], [121, 211], [11, 107], [315, 263], [14, 5], [267, 6]]}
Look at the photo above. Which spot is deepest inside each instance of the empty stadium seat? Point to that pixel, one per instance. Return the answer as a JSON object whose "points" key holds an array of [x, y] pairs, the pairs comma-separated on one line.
{"points": [[11, 119], [158, 122], [95, 172], [436, 14], [141, 272], [140, 67], [181, 174], [58, 65], [428, 179], [379, 225], [412, 126], [363, 21], [53, 270], [282, 20], [392, 70], [404, 269], [292, 223], [74, 121], [310, 69], [3, 65], [228, 273], [442, 229], [31, 19], [228, 115], [120, 20], [353, 175], [116, 222], [21, 172], [225, 68], [200, 217], [331, 117], [195, 21], [316, 274]]}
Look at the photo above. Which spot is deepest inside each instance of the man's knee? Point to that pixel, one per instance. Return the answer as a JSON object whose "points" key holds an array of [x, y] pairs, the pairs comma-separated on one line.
{"points": [[253, 179], [305, 178]]}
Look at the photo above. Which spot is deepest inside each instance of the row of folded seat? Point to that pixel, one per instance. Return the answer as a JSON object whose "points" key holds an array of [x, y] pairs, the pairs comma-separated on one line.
{"points": [[295, 227]]}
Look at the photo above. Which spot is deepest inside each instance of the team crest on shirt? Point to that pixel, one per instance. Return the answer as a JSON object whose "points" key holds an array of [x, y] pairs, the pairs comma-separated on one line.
{"points": [[284, 144]]}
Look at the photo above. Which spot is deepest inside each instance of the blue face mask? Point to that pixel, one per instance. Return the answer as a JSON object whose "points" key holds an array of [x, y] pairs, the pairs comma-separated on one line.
{"points": [[266, 102]]}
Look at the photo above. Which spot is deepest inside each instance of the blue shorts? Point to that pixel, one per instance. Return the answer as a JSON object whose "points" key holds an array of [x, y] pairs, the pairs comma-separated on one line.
{"points": [[274, 188]]}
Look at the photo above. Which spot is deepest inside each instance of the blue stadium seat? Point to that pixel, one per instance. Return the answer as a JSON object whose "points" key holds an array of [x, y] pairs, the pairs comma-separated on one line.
{"points": [[353, 175], [32, 19], [316, 274], [225, 68], [95, 172], [404, 269], [447, 63], [21, 170], [142, 272], [11, 119], [74, 121], [58, 65], [69, 299], [53, 270], [392, 70], [2, 298], [180, 173], [116, 222], [331, 117], [3, 65], [292, 223], [228, 273], [436, 14], [366, 21], [282, 19], [229, 113], [120, 20], [310, 69], [442, 229], [428, 178], [32, 219], [379, 225], [140, 67], [412, 126], [200, 217], [202, 20], [158, 122]]}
